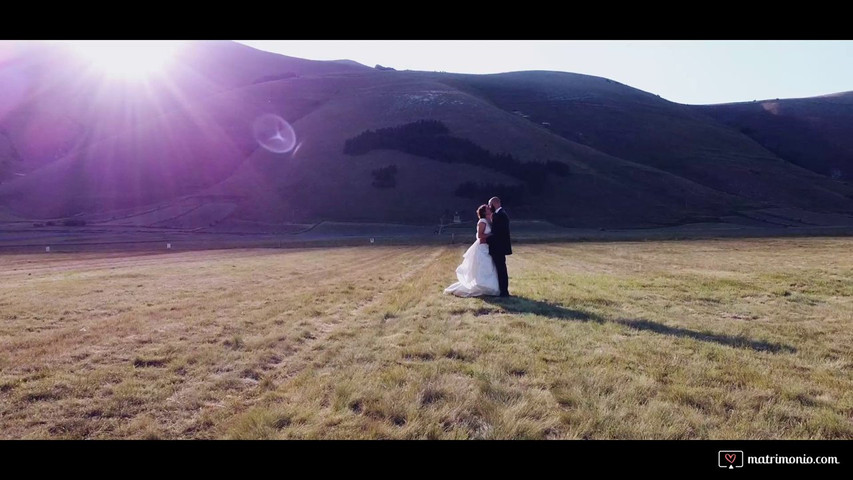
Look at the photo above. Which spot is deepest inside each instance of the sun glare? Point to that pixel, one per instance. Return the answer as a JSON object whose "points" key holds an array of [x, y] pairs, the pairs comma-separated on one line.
{"points": [[127, 59]]}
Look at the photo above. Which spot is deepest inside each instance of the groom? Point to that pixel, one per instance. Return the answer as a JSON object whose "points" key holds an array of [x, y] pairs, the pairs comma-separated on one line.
{"points": [[499, 243]]}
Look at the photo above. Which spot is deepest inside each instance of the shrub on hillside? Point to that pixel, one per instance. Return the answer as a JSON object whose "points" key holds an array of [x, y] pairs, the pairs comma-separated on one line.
{"points": [[272, 78], [385, 177]]}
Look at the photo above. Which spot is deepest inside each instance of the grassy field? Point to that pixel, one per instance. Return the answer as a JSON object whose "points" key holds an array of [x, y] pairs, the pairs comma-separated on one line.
{"points": [[715, 339]]}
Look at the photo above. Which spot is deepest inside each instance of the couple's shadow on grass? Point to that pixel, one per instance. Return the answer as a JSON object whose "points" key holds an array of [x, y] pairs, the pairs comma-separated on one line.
{"points": [[526, 305]]}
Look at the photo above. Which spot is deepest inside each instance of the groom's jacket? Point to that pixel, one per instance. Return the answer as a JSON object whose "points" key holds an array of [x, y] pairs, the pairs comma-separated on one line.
{"points": [[499, 242]]}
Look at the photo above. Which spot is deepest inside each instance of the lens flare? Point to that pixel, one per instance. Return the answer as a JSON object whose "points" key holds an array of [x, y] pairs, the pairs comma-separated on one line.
{"points": [[274, 133]]}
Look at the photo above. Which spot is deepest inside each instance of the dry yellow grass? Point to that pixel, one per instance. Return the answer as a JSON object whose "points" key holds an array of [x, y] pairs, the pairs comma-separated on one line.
{"points": [[648, 340]]}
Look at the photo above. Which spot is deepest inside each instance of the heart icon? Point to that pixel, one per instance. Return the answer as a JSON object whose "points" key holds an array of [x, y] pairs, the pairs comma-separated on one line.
{"points": [[730, 457]]}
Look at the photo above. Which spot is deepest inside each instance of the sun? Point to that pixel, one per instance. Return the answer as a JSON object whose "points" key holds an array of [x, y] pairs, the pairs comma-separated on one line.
{"points": [[127, 59]]}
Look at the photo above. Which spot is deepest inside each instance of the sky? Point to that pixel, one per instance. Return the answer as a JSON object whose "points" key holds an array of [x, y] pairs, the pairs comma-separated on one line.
{"points": [[693, 72]]}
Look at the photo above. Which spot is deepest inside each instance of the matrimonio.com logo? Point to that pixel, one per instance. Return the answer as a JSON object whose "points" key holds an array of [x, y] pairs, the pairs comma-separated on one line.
{"points": [[730, 459]]}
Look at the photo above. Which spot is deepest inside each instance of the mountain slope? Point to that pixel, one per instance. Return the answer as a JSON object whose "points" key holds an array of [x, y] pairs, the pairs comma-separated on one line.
{"points": [[180, 151], [643, 128], [814, 133]]}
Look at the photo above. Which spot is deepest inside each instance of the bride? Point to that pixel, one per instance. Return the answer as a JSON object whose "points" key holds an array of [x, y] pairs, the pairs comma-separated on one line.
{"points": [[477, 274]]}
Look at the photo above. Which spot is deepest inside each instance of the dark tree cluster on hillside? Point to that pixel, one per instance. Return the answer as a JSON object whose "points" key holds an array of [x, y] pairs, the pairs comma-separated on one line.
{"points": [[432, 139], [385, 177], [393, 137], [509, 194]]}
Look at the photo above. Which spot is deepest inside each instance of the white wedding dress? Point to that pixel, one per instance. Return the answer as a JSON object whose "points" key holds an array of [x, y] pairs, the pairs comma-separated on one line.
{"points": [[477, 274]]}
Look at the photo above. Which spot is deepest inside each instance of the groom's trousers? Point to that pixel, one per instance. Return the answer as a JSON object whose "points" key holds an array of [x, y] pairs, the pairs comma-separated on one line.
{"points": [[503, 277]]}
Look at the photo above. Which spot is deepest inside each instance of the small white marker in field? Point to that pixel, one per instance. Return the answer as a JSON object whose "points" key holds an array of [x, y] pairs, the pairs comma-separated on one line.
{"points": [[168, 246], [371, 239], [47, 249]]}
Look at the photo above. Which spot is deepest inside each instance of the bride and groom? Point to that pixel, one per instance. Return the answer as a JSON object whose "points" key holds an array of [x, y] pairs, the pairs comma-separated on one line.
{"points": [[483, 268]]}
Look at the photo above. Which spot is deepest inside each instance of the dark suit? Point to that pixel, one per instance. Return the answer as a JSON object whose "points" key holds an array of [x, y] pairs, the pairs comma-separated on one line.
{"points": [[499, 247]]}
